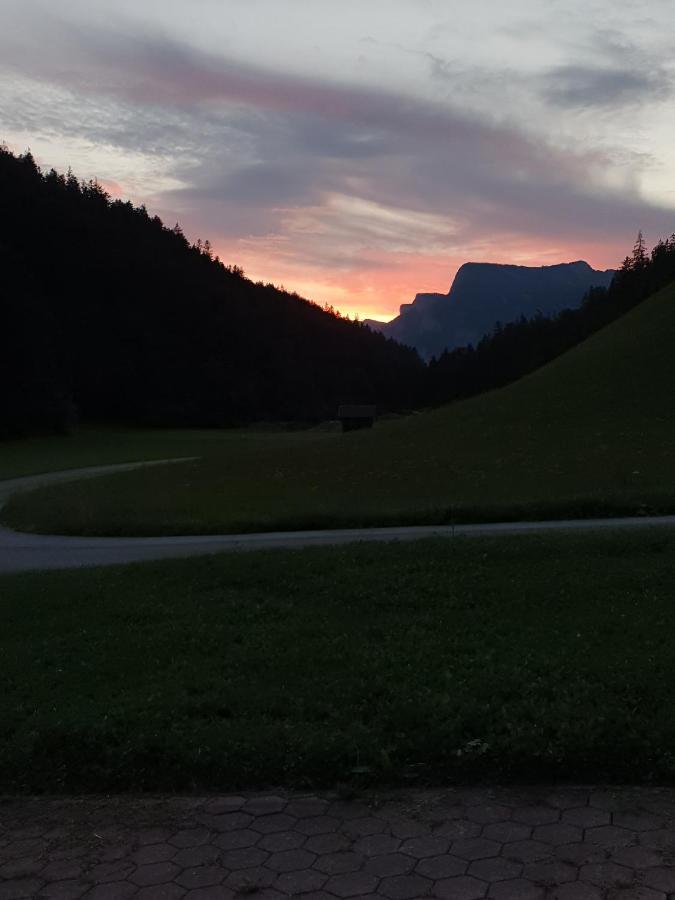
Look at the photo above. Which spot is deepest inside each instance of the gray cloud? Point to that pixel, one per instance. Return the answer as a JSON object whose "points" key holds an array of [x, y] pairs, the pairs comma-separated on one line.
{"points": [[253, 146], [582, 87]]}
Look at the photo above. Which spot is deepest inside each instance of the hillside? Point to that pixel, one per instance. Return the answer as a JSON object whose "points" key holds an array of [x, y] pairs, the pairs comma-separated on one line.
{"points": [[483, 294], [107, 315], [590, 433]]}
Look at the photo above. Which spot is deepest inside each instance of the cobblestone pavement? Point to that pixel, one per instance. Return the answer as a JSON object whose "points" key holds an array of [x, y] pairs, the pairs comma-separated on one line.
{"points": [[507, 844]]}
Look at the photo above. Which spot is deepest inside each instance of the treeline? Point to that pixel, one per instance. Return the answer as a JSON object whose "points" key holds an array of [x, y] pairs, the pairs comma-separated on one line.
{"points": [[107, 315], [515, 349]]}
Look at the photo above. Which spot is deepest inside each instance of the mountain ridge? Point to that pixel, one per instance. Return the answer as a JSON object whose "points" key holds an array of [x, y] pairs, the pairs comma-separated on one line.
{"points": [[483, 294]]}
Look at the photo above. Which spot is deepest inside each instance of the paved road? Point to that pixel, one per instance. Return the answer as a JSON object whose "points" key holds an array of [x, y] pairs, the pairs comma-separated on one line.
{"points": [[24, 552], [544, 843]]}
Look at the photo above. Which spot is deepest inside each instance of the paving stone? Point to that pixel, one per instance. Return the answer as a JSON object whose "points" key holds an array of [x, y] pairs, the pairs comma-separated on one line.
{"points": [[234, 821], [191, 837], [156, 873], [21, 868], [609, 836], [317, 825], [269, 893], [458, 829], [328, 843], [422, 847], [536, 815], [575, 890], [262, 806], [307, 807], [76, 852], [581, 853], [404, 828], [612, 801], [317, 895], [61, 870], [161, 892], [377, 845], [516, 889], [661, 878], [64, 890], [662, 839], [212, 893], [485, 814], [586, 817], [113, 890], [351, 884], [281, 840], [438, 867], [637, 821], [507, 832], [28, 847], [413, 841], [527, 851], [345, 810], [463, 887], [219, 805], [246, 858], [495, 869], [363, 827], [191, 857], [607, 874], [153, 853], [249, 881], [336, 863], [475, 848], [300, 882], [404, 887], [639, 892], [389, 864], [551, 873], [290, 860], [16, 888], [201, 876], [111, 871], [114, 852], [638, 857], [557, 834], [152, 836], [237, 840], [568, 798]]}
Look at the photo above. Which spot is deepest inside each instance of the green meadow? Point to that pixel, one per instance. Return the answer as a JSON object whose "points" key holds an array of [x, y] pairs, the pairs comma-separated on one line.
{"points": [[590, 433], [512, 659]]}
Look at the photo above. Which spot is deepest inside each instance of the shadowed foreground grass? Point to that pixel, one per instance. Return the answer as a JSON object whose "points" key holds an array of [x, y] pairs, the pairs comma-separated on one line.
{"points": [[518, 658]]}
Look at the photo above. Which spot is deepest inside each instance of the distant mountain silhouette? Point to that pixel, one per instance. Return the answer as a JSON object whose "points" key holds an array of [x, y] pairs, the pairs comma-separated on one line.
{"points": [[483, 294]]}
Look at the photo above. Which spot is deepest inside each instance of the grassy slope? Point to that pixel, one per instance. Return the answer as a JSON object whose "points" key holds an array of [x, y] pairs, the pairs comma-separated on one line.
{"points": [[591, 432], [519, 658]]}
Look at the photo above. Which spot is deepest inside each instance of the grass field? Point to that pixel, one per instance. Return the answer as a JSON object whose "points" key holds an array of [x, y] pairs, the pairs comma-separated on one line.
{"points": [[508, 659], [591, 433]]}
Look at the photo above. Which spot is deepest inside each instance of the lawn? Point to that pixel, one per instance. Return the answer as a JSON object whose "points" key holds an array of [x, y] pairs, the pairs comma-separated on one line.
{"points": [[591, 433], [520, 658]]}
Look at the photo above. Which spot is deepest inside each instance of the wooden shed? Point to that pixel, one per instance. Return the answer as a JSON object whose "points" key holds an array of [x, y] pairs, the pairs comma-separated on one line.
{"points": [[354, 416]]}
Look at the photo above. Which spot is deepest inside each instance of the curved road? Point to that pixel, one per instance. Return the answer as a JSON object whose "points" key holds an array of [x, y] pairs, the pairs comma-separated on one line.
{"points": [[24, 552]]}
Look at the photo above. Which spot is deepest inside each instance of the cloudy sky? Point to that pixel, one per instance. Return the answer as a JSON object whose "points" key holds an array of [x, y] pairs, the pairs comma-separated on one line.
{"points": [[359, 151]]}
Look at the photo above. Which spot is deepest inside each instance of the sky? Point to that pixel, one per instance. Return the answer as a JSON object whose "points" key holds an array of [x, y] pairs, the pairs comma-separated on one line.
{"points": [[359, 151]]}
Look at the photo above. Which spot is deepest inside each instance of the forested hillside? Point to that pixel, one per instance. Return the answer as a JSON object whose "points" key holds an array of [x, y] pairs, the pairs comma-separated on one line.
{"points": [[107, 315]]}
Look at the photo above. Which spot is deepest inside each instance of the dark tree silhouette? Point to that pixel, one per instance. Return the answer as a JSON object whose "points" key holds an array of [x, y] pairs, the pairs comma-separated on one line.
{"points": [[109, 316]]}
